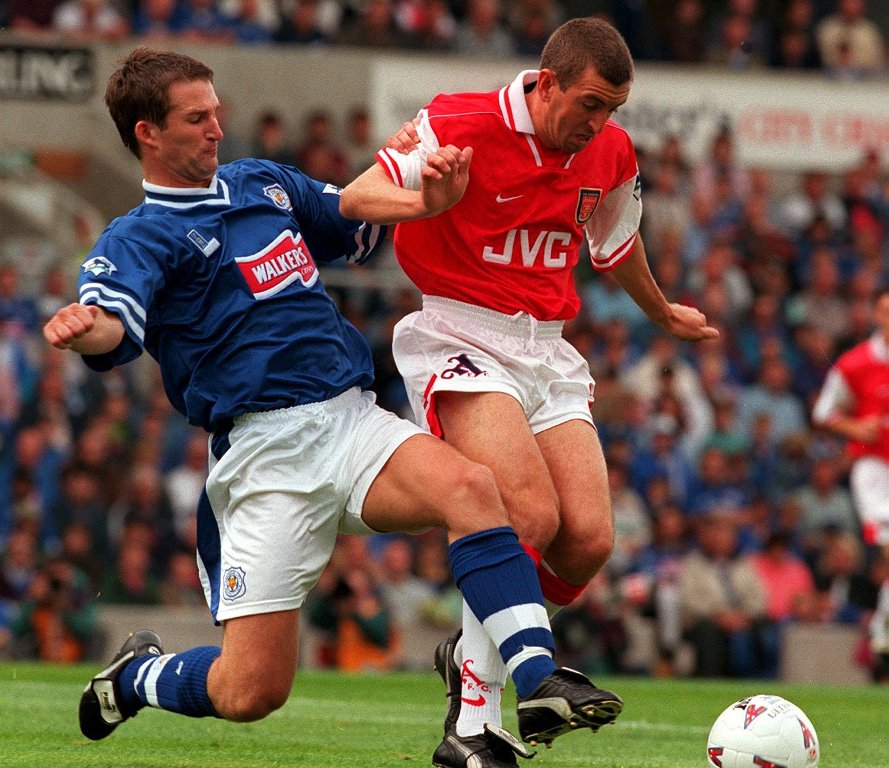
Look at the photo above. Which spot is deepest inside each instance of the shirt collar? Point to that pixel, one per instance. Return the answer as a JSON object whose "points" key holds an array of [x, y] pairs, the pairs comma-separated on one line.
{"points": [[514, 105]]}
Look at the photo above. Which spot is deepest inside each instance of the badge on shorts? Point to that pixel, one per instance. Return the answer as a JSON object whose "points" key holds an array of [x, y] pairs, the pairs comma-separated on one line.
{"points": [[233, 583]]}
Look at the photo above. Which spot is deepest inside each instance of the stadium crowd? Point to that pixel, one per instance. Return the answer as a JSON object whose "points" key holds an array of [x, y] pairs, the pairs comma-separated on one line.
{"points": [[733, 514], [841, 37]]}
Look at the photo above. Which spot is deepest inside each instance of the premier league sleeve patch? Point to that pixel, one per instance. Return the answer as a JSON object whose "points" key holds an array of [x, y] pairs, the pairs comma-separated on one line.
{"points": [[98, 265]]}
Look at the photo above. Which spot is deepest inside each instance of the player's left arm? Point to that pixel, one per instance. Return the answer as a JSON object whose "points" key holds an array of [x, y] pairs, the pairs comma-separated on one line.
{"points": [[634, 275], [374, 197]]}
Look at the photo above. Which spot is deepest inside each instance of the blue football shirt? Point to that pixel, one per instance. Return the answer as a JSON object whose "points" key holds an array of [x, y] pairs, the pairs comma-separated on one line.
{"points": [[221, 286]]}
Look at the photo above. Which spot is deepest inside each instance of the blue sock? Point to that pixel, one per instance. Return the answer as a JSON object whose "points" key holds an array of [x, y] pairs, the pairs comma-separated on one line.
{"points": [[176, 682], [500, 585]]}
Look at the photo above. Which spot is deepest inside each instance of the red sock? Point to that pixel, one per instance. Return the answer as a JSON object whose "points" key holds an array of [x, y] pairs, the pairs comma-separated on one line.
{"points": [[557, 590]]}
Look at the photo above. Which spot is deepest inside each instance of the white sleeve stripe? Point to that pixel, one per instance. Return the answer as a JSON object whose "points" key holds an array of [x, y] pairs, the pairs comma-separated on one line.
{"points": [[391, 167], [108, 293], [616, 256], [93, 297]]}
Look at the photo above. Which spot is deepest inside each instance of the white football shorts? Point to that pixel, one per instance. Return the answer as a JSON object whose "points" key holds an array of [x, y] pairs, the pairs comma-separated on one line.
{"points": [[453, 346], [869, 485], [292, 480]]}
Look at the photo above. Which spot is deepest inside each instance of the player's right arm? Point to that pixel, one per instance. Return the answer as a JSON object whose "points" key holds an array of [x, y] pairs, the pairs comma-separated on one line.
{"points": [[86, 329], [832, 410]]}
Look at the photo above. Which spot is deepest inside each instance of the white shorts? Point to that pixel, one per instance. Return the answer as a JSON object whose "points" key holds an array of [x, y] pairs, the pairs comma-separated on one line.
{"points": [[869, 485], [452, 346], [277, 497]]}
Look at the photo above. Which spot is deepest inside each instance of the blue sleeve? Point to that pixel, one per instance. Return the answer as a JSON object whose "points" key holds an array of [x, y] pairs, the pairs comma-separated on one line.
{"points": [[121, 278], [316, 208]]}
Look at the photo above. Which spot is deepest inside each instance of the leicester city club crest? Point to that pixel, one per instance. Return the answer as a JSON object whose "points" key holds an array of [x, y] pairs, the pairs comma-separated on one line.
{"points": [[233, 583], [587, 202], [278, 196]]}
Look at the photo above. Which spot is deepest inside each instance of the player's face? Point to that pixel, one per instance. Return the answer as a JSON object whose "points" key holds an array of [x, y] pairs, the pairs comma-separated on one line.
{"points": [[184, 150], [881, 314], [573, 117]]}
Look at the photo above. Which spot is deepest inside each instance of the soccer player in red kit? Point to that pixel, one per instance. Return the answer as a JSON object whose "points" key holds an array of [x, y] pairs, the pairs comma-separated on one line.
{"points": [[854, 403], [484, 361]]}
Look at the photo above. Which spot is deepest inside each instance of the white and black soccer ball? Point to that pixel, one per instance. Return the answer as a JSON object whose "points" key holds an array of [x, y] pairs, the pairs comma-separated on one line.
{"points": [[762, 731]]}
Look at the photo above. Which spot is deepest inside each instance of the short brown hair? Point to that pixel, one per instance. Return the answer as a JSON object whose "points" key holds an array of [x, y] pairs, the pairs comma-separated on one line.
{"points": [[581, 43], [139, 89]]}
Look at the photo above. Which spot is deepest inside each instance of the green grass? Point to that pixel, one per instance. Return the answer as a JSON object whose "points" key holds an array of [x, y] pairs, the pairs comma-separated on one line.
{"points": [[337, 721]]}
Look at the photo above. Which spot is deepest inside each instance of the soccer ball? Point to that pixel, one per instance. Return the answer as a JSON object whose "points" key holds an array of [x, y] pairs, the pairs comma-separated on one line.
{"points": [[762, 731]]}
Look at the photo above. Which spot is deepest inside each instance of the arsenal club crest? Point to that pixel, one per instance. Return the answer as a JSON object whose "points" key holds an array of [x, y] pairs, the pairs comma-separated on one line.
{"points": [[587, 202]]}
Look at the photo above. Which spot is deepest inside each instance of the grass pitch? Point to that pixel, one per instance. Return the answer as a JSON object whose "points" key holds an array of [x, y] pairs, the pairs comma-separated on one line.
{"points": [[340, 721]]}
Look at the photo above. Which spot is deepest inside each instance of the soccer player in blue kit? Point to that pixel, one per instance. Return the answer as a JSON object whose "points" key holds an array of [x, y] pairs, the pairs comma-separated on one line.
{"points": [[215, 275]]}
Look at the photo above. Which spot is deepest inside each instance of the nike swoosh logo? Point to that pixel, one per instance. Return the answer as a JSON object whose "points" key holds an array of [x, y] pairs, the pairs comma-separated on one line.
{"points": [[479, 700], [501, 199]]}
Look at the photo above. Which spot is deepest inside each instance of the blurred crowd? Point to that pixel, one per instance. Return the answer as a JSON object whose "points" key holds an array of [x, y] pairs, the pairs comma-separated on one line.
{"points": [[732, 509], [842, 37]]}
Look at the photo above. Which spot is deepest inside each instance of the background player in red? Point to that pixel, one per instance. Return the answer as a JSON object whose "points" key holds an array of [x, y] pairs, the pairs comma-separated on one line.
{"points": [[484, 360], [854, 403]]}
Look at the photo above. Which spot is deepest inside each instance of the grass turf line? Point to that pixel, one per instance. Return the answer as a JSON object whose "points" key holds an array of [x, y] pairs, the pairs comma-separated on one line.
{"points": [[344, 721]]}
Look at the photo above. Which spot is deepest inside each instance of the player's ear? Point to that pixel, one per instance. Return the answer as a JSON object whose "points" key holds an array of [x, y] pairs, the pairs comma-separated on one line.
{"points": [[146, 132], [546, 82]]}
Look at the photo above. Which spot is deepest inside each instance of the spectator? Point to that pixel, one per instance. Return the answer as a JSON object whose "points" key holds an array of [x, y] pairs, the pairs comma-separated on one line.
{"points": [[204, 22], [589, 633], [301, 24], [800, 209], [32, 15], [850, 43], [317, 153], [846, 591], [721, 163], [430, 23], [731, 46], [482, 31], [57, 620], [132, 582], [663, 459], [655, 591], [788, 582], [90, 19], [375, 27], [821, 303], [825, 502], [632, 523], [158, 20], [270, 139], [145, 503], [795, 46], [181, 584], [724, 605], [684, 32], [247, 24], [531, 22], [360, 148], [771, 395], [408, 597], [184, 484], [18, 566]]}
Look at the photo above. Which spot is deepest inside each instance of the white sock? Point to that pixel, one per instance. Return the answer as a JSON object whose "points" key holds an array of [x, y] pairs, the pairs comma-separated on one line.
{"points": [[483, 674]]}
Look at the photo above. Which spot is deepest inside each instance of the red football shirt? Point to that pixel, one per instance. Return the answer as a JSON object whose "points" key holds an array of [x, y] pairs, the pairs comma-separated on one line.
{"points": [[512, 241], [866, 374]]}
